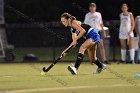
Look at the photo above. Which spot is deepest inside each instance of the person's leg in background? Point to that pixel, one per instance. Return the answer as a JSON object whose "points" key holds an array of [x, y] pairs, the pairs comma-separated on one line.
{"points": [[139, 49], [102, 48], [102, 51], [123, 50]]}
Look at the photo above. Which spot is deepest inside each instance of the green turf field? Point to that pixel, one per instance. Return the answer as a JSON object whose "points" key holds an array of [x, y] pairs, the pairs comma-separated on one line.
{"points": [[25, 78]]}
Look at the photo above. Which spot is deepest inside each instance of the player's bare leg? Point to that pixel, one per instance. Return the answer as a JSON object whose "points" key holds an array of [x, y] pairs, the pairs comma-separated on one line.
{"points": [[96, 61], [90, 54], [88, 43]]}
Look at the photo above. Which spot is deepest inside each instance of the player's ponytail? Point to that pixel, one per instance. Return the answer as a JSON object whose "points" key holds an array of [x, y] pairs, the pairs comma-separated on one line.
{"points": [[68, 16], [73, 17]]}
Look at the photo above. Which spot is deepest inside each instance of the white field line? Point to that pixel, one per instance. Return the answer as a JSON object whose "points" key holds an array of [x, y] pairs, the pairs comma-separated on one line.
{"points": [[67, 88]]}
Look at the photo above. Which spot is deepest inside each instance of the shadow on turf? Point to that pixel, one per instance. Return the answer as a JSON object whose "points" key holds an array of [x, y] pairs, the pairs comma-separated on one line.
{"points": [[64, 75], [86, 74]]}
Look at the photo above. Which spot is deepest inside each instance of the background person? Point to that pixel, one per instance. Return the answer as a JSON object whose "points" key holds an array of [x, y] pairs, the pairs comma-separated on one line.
{"points": [[94, 19], [126, 33], [137, 29]]}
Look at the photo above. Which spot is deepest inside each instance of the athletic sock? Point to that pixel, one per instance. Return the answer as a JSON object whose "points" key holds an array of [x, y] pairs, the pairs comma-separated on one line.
{"points": [[98, 63], [79, 60], [132, 54], [123, 54]]}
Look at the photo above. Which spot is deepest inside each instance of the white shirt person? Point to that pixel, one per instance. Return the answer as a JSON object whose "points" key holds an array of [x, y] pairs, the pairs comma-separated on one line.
{"points": [[94, 19]]}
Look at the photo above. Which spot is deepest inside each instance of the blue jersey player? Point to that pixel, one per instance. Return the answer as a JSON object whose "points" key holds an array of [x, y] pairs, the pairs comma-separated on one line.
{"points": [[90, 44]]}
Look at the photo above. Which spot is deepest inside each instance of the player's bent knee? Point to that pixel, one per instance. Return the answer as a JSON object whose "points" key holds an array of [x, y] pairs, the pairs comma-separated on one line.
{"points": [[82, 49]]}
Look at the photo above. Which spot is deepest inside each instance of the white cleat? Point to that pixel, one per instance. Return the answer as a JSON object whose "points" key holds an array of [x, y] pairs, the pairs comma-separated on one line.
{"points": [[99, 70], [72, 69]]}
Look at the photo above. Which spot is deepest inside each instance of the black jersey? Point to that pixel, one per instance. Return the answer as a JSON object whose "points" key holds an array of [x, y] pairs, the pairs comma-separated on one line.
{"points": [[84, 26]]}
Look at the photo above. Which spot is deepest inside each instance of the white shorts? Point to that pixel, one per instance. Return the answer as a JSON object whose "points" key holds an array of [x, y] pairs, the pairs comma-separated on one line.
{"points": [[124, 35]]}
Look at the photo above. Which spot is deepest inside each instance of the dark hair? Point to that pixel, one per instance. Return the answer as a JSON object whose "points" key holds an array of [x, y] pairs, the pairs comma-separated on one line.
{"points": [[124, 4], [67, 16], [92, 4]]}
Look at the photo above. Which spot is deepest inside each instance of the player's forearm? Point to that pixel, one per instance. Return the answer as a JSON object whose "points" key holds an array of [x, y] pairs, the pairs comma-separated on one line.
{"points": [[68, 47], [74, 37], [136, 29], [102, 27], [103, 31], [136, 26], [133, 24], [132, 28]]}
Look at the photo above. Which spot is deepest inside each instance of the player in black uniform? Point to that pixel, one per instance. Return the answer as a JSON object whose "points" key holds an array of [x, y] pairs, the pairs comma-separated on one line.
{"points": [[92, 39]]}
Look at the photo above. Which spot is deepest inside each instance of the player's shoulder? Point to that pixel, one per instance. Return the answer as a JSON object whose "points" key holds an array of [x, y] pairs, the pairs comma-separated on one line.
{"points": [[98, 13], [130, 13], [138, 17], [121, 14]]}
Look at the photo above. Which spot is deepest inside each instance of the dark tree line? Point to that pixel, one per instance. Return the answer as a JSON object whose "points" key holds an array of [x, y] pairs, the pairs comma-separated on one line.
{"points": [[50, 10]]}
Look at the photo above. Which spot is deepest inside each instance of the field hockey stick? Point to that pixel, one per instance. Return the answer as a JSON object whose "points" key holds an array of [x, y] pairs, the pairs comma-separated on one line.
{"points": [[47, 69]]}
